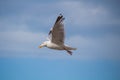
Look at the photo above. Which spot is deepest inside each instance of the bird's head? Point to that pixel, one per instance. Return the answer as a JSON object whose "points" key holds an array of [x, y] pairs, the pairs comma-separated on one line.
{"points": [[44, 44]]}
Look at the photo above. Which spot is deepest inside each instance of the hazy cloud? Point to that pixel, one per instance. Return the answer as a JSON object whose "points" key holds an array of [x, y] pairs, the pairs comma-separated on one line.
{"points": [[92, 27], [87, 48], [106, 47], [20, 40]]}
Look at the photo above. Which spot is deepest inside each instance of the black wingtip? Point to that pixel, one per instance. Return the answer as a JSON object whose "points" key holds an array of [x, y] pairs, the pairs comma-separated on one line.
{"points": [[59, 18]]}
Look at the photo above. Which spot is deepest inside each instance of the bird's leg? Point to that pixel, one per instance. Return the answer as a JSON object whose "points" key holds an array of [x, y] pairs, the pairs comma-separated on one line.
{"points": [[69, 52]]}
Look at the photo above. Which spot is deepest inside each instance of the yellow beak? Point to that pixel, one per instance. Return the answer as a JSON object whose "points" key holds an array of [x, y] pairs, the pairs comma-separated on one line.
{"points": [[40, 46]]}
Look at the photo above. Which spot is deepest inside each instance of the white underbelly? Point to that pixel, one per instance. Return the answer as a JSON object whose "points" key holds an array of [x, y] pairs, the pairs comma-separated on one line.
{"points": [[55, 46]]}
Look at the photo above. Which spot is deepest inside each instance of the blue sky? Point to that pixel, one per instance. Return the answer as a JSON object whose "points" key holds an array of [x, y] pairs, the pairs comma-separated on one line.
{"points": [[93, 27]]}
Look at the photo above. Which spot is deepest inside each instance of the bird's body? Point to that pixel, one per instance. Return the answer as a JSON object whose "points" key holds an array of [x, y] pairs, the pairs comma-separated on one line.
{"points": [[52, 45], [56, 36]]}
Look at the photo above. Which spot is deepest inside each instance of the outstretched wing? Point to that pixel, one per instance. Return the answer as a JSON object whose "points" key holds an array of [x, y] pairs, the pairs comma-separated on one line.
{"points": [[57, 32]]}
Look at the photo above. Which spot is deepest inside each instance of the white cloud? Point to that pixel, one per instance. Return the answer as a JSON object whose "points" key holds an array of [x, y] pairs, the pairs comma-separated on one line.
{"points": [[20, 40], [78, 13], [17, 36], [26, 44]]}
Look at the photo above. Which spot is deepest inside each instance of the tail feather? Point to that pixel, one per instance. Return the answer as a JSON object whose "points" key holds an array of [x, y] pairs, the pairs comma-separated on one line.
{"points": [[67, 48], [70, 48], [74, 48]]}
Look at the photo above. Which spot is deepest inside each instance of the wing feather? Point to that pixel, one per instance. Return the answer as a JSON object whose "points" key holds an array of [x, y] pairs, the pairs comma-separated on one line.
{"points": [[57, 32]]}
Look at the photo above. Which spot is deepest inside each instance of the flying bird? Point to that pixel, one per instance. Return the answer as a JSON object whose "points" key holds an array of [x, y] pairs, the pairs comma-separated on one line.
{"points": [[57, 36]]}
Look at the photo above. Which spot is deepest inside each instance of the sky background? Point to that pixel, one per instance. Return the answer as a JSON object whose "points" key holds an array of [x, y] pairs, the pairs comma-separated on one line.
{"points": [[92, 26]]}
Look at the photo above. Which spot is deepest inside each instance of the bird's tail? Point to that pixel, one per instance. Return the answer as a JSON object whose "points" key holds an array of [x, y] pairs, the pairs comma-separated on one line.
{"points": [[70, 48], [67, 48]]}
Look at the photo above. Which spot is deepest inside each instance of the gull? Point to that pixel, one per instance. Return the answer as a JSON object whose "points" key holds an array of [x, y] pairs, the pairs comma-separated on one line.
{"points": [[57, 37]]}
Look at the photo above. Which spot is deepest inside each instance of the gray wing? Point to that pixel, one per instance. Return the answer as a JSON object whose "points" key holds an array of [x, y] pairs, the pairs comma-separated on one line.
{"points": [[57, 32]]}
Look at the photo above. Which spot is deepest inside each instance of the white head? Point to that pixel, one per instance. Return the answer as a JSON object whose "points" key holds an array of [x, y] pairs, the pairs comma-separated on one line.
{"points": [[44, 44]]}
